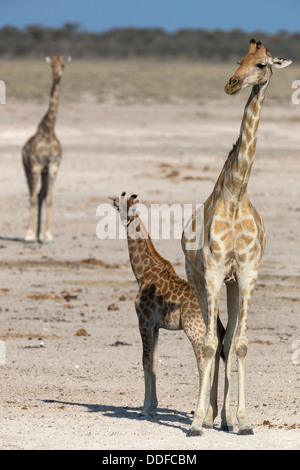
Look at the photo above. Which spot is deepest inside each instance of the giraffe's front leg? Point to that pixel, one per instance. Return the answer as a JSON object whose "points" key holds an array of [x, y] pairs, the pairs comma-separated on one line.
{"points": [[246, 285], [49, 197], [41, 197], [150, 340], [233, 312], [31, 235], [212, 410], [213, 287]]}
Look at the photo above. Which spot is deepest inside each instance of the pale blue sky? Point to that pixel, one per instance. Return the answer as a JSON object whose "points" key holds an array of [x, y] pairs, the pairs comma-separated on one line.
{"points": [[171, 15]]}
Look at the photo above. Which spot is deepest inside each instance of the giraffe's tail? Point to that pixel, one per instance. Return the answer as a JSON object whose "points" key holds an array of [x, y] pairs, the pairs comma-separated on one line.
{"points": [[221, 333], [222, 353]]}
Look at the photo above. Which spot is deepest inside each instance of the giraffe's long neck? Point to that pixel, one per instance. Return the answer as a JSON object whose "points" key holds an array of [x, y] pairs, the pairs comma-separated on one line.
{"points": [[46, 126], [239, 163], [142, 253]]}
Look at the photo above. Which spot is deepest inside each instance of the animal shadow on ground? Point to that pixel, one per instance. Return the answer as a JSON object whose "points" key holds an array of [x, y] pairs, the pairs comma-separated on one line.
{"points": [[12, 239], [165, 417]]}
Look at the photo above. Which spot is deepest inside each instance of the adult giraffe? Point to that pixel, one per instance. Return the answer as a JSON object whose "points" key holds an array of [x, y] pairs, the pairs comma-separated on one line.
{"points": [[234, 240], [41, 156]]}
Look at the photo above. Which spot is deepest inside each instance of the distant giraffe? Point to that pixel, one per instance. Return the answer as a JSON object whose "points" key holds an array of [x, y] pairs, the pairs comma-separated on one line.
{"points": [[41, 156], [234, 239], [164, 300]]}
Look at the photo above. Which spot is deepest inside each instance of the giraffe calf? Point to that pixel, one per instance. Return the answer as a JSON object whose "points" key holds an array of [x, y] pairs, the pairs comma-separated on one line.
{"points": [[164, 301]]}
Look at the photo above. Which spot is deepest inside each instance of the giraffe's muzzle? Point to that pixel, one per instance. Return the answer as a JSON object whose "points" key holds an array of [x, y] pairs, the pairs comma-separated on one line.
{"points": [[233, 86]]}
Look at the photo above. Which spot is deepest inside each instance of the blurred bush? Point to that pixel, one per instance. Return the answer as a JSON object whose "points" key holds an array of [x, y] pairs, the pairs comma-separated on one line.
{"points": [[36, 40]]}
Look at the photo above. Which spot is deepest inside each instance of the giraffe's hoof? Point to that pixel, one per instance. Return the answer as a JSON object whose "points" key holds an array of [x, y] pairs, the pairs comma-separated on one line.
{"points": [[147, 414], [207, 425], [193, 432], [30, 237], [226, 427], [49, 238], [246, 432]]}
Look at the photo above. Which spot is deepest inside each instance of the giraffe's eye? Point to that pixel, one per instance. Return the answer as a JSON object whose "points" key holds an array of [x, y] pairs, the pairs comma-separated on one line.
{"points": [[261, 66]]}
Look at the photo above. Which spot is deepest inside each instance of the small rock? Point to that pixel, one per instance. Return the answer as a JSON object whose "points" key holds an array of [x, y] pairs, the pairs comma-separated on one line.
{"points": [[113, 307], [120, 343], [81, 332]]}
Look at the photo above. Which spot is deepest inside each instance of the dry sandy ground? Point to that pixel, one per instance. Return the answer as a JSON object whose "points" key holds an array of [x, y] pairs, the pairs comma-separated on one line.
{"points": [[63, 391]]}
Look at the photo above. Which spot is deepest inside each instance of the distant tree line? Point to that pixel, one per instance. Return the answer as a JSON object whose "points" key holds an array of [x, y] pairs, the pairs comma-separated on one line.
{"points": [[36, 40]]}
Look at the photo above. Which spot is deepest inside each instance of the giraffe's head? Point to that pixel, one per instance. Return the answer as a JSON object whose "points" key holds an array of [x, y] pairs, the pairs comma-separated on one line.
{"points": [[58, 66], [254, 68], [126, 207]]}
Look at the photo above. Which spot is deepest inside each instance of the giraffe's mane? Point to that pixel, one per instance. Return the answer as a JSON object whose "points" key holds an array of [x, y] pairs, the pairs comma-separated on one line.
{"points": [[228, 163], [155, 255]]}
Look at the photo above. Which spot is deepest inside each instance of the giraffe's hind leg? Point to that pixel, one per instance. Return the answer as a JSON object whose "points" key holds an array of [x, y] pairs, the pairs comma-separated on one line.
{"points": [[32, 175], [197, 343]]}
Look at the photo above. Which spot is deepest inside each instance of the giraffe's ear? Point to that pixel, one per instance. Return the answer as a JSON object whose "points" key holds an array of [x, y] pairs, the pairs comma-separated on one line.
{"points": [[48, 60], [114, 202], [280, 62], [133, 201], [132, 209]]}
